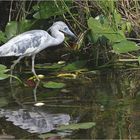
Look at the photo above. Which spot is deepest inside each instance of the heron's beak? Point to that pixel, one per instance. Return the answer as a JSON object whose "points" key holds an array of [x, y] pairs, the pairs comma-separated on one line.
{"points": [[69, 32]]}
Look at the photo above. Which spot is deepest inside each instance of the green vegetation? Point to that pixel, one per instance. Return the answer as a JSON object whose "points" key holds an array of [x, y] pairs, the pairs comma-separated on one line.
{"points": [[52, 84], [107, 35], [95, 77], [3, 70], [77, 126]]}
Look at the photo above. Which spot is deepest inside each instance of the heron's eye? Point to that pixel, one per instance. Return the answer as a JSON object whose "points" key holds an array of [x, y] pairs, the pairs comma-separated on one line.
{"points": [[65, 29]]}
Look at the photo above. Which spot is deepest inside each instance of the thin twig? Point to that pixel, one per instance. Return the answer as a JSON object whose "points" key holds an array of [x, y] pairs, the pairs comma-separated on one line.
{"points": [[10, 12]]}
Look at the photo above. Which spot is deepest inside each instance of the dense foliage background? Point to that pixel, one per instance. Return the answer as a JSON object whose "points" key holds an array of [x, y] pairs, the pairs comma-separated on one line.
{"points": [[107, 31]]}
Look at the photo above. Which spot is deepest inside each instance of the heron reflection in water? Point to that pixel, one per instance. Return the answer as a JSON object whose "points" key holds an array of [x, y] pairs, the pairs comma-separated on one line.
{"points": [[32, 42]]}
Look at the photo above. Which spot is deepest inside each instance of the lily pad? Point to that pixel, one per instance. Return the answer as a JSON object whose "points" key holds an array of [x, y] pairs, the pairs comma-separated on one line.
{"points": [[54, 85], [75, 65], [85, 125], [53, 66]]}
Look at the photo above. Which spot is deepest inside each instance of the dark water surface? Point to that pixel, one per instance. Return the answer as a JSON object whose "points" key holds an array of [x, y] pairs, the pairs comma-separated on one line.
{"points": [[109, 100]]}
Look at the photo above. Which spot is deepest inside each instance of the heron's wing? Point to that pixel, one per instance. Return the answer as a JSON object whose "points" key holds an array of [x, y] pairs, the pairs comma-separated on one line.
{"points": [[24, 44]]}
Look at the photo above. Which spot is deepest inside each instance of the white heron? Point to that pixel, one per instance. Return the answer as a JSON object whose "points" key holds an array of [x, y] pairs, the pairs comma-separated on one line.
{"points": [[32, 42]]}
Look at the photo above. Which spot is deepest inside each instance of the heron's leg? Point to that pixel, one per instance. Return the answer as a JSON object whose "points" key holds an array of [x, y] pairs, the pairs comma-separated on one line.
{"points": [[12, 66], [33, 67]]}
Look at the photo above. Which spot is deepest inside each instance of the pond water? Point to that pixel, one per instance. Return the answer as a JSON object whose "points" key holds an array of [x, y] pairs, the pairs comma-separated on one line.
{"points": [[108, 100]]}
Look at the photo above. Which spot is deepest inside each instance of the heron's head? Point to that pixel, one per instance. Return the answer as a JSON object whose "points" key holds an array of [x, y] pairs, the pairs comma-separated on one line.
{"points": [[62, 27]]}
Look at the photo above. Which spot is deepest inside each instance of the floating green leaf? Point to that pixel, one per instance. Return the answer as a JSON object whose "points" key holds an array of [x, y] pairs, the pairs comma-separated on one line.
{"points": [[52, 66], [75, 65], [54, 85], [125, 47], [86, 125]]}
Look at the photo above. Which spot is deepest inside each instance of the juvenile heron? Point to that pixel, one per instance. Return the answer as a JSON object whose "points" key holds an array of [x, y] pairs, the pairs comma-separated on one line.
{"points": [[32, 42]]}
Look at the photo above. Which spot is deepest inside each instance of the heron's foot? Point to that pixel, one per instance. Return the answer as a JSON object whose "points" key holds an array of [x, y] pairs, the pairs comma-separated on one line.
{"points": [[37, 78]]}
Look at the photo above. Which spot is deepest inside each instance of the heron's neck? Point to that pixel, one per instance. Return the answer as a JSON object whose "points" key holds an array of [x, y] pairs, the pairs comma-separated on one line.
{"points": [[58, 36]]}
